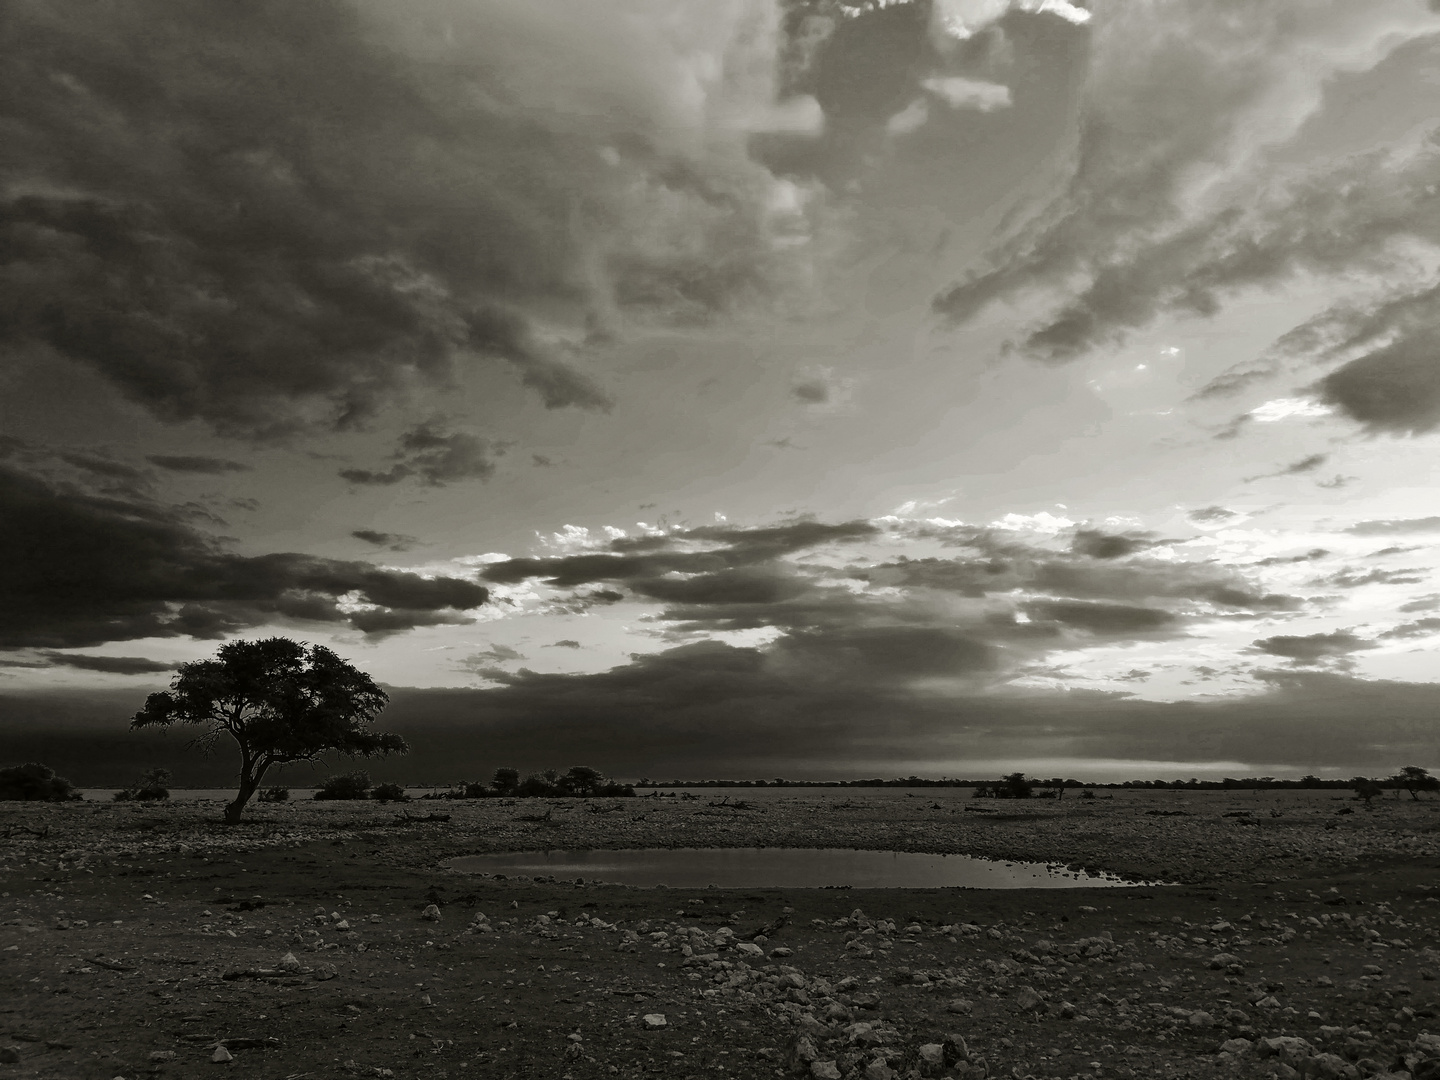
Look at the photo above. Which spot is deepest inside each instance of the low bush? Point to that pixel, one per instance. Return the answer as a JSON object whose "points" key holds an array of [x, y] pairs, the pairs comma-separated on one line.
{"points": [[355, 785], [389, 793], [151, 787], [274, 794], [33, 782]]}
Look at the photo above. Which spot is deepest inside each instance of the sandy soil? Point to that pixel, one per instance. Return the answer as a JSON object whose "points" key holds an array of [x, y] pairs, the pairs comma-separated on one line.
{"points": [[321, 939]]}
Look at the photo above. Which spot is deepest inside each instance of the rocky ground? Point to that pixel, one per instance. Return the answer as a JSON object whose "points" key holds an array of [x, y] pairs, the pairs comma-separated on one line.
{"points": [[327, 939]]}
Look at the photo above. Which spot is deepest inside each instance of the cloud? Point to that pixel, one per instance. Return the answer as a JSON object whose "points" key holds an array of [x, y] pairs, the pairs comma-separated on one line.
{"points": [[99, 466], [962, 19], [564, 643], [909, 119], [719, 710], [1313, 648], [111, 665], [277, 221], [211, 466], [821, 389], [1172, 202], [80, 569], [1419, 628], [1101, 618], [962, 93], [1211, 515], [434, 457], [1099, 545], [392, 541], [1295, 468], [485, 658], [1393, 389], [703, 549], [1395, 526], [1351, 578]]}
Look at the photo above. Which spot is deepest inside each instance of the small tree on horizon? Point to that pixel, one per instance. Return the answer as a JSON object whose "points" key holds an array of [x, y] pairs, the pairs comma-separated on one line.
{"points": [[1365, 788], [1017, 787], [1415, 779], [282, 701]]}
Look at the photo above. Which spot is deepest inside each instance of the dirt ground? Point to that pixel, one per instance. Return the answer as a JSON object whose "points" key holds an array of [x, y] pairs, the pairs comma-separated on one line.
{"points": [[322, 939]]}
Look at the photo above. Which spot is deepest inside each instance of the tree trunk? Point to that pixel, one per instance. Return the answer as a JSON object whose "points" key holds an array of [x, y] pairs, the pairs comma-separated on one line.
{"points": [[248, 786]]}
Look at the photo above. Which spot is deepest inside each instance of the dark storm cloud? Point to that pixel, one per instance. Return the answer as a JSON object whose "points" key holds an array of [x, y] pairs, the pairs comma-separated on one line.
{"points": [[279, 218], [1313, 648], [564, 643], [811, 391], [79, 569], [1395, 526], [1173, 91], [435, 457], [111, 665], [390, 541], [717, 710], [186, 463]]}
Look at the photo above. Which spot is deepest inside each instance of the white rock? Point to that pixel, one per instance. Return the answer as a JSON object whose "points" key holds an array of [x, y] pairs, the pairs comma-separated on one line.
{"points": [[221, 1055], [654, 1020], [824, 1070]]}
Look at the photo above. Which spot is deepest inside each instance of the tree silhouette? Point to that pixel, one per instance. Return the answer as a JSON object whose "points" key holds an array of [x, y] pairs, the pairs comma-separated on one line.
{"points": [[282, 701], [1365, 788], [1415, 779]]}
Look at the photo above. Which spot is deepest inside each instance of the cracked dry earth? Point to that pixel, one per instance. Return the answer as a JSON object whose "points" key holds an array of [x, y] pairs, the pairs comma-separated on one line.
{"points": [[320, 940]]}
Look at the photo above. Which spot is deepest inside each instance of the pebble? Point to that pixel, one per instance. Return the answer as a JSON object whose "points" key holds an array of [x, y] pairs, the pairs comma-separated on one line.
{"points": [[654, 1020], [221, 1055]]}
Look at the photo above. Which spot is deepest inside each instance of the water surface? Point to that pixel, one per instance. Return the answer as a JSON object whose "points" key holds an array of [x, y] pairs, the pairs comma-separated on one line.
{"points": [[781, 868]]}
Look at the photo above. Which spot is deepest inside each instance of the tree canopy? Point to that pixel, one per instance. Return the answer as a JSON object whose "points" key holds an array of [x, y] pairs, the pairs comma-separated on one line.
{"points": [[282, 701]]}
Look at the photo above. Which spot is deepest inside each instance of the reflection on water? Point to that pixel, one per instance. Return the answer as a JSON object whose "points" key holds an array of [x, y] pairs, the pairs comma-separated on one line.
{"points": [[781, 868]]}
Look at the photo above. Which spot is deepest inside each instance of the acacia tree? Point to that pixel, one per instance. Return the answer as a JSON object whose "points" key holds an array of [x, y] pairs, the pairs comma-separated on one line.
{"points": [[282, 701], [1415, 779]]}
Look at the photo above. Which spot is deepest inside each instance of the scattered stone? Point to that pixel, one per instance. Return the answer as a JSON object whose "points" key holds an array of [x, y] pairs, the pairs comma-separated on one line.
{"points": [[1027, 999], [431, 913], [961, 1006], [221, 1055], [824, 1070], [289, 962], [932, 1059], [162, 1055], [654, 1021]]}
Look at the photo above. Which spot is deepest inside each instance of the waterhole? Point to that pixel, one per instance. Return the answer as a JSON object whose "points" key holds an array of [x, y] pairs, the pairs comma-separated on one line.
{"points": [[782, 868]]}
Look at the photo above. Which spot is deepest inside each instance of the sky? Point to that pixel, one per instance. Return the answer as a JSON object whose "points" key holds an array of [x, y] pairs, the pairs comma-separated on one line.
{"points": [[805, 388]]}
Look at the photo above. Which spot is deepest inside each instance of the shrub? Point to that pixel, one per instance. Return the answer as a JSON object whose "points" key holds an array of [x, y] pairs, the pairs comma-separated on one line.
{"points": [[35, 782], [151, 787], [1016, 786], [535, 786], [355, 785], [613, 790], [389, 793], [275, 794], [1088, 793]]}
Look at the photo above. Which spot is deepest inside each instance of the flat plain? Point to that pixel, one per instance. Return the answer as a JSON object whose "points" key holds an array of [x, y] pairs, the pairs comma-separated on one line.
{"points": [[1300, 937]]}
